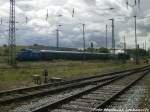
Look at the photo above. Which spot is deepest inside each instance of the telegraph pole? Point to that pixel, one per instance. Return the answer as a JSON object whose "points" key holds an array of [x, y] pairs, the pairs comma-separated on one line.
{"points": [[83, 25], [136, 46], [12, 39], [106, 36]]}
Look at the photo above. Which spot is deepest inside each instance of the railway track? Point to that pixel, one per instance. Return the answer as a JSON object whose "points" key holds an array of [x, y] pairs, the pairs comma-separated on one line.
{"points": [[111, 99], [11, 96], [89, 99], [23, 95]]}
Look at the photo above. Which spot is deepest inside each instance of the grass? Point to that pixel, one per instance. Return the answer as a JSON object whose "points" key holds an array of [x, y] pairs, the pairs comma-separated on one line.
{"points": [[19, 77]]}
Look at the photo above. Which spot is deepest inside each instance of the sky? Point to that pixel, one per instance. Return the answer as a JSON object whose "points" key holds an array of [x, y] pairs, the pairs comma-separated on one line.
{"points": [[93, 13]]}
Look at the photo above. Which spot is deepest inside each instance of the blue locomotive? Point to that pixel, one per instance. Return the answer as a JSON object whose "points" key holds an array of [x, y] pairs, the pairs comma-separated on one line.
{"points": [[31, 55], [28, 55]]}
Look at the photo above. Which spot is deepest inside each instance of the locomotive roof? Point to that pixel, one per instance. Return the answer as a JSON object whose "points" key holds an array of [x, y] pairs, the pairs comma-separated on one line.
{"points": [[69, 52]]}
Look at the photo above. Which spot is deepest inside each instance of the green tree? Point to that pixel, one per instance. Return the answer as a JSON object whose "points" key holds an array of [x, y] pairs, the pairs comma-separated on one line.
{"points": [[103, 50]]}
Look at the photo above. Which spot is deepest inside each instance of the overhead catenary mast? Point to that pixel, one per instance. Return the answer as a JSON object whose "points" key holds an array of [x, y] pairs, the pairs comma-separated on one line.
{"points": [[47, 15], [26, 19], [57, 38], [1, 21], [125, 46], [136, 2], [113, 36], [12, 39], [83, 25], [145, 45], [106, 35], [136, 44]]}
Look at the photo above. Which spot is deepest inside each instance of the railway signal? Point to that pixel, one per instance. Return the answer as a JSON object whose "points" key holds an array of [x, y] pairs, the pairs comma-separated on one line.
{"points": [[92, 47]]}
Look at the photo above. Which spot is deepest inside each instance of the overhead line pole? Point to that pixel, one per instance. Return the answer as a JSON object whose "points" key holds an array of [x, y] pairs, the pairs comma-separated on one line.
{"points": [[106, 35], [113, 36], [136, 45], [145, 48], [124, 38], [83, 25], [57, 38], [12, 34], [149, 44], [149, 48], [1, 21], [145, 45]]}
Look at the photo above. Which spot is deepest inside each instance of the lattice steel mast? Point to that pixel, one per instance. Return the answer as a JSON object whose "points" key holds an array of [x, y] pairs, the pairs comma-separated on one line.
{"points": [[12, 40]]}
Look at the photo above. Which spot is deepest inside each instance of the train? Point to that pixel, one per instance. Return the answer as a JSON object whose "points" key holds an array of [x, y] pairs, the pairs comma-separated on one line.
{"points": [[31, 55]]}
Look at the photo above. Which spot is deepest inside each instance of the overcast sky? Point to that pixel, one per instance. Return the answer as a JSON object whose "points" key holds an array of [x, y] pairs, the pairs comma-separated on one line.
{"points": [[90, 12]]}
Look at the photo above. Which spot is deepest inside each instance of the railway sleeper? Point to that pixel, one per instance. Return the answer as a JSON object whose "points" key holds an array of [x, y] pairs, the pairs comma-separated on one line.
{"points": [[62, 110], [82, 103], [77, 108], [86, 101]]}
